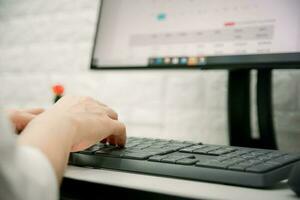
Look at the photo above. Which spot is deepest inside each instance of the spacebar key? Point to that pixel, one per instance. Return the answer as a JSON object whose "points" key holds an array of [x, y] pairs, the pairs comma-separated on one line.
{"points": [[138, 156]]}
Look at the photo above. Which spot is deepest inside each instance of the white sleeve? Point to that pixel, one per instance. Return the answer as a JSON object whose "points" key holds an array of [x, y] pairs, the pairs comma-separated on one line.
{"points": [[25, 172]]}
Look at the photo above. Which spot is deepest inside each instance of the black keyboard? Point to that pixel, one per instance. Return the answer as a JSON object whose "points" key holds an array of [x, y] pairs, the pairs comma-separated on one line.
{"points": [[195, 161]]}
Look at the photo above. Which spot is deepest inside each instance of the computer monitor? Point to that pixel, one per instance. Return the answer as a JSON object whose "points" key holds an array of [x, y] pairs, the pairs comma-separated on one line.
{"points": [[206, 34]]}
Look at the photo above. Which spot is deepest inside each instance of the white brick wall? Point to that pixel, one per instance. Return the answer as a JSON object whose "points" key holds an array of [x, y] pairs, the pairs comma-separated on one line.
{"points": [[45, 42]]}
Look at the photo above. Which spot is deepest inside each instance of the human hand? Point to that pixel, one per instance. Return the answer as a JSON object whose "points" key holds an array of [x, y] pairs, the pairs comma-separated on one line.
{"points": [[91, 121], [20, 118]]}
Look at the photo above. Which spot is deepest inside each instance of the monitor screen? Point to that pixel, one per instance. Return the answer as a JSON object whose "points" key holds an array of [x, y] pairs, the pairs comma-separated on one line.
{"points": [[197, 33]]}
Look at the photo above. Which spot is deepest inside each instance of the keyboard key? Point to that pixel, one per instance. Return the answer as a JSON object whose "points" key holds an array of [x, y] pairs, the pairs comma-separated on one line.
{"points": [[174, 157], [187, 161], [100, 144], [248, 156], [180, 146], [159, 140], [91, 150], [162, 143], [156, 151], [142, 146], [131, 145], [257, 153], [221, 151], [157, 146], [182, 156], [135, 155], [214, 164], [233, 161], [191, 143], [273, 155], [101, 152], [157, 158], [216, 152], [268, 156], [117, 153], [286, 159], [169, 160], [242, 165], [149, 143], [205, 150], [153, 149], [109, 147], [229, 149], [237, 167], [252, 161], [262, 167], [242, 151], [263, 158], [165, 151], [191, 148], [106, 149], [133, 149], [221, 158]]}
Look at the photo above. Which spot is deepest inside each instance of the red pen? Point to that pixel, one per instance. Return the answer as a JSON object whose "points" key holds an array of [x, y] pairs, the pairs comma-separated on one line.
{"points": [[58, 91]]}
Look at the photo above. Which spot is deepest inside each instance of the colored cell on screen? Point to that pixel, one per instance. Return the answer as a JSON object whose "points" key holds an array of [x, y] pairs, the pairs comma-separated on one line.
{"points": [[161, 16], [183, 61], [158, 61]]}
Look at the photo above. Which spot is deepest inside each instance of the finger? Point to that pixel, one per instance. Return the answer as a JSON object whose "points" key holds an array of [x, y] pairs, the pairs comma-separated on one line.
{"points": [[112, 114], [104, 141], [91, 100], [112, 140], [103, 110], [120, 133], [22, 120], [35, 111], [100, 103], [81, 146]]}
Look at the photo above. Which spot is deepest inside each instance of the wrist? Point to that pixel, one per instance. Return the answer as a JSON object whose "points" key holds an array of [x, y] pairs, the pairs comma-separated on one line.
{"points": [[57, 127], [54, 136]]}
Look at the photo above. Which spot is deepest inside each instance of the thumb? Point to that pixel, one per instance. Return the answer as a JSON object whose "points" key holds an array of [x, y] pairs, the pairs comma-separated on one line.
{"points": [[35, 111], [21, 120]]}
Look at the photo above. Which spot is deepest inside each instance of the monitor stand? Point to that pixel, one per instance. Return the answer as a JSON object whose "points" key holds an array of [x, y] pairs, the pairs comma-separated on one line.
{"points": [[239, 109]]}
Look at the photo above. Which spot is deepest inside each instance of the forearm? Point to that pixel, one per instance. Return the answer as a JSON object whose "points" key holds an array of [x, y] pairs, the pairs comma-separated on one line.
{"points": [[53, 137], [72, 124]]}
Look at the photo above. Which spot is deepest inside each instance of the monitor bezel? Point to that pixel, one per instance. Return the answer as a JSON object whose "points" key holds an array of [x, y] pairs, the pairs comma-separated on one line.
{"points": [[230, 62]]}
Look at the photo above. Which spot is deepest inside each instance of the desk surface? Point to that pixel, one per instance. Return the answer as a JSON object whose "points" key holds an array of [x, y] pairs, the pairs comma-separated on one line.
{"points": [[177, 187]]}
